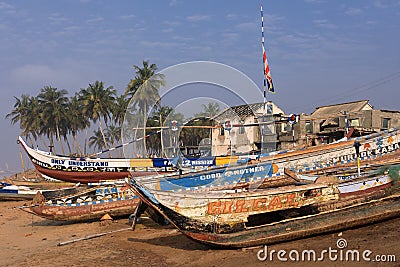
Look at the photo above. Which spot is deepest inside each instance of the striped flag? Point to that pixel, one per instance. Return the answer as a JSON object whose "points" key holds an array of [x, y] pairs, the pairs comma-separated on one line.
{"points": [[267, 74]]}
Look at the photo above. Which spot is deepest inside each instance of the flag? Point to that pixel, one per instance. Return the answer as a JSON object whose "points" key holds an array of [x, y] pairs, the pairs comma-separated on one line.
{"points": [[267, 75]]}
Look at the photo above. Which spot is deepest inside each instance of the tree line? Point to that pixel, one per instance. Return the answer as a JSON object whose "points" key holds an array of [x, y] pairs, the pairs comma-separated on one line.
{"points": [[55, 116]]}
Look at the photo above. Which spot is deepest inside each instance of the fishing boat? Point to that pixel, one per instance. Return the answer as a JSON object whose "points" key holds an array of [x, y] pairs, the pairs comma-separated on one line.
{"points": [[272, 170], [16, 192], [227, 217], [265, 216], [88, 169], [83, 204]]}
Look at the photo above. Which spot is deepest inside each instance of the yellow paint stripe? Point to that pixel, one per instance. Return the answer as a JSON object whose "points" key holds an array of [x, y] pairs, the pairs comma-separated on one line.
{"points": [[141, 163], [226, 160]]}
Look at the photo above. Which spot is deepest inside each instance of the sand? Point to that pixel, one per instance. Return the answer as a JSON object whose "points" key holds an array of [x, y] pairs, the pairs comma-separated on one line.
{"points": [[28, 240]]}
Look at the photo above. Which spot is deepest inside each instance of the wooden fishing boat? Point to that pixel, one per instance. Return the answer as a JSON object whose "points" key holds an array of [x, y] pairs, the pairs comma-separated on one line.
{"points": [[223, 218], [16, 192], [271, 171], [331, 156], [83, 204], [87, 169]]}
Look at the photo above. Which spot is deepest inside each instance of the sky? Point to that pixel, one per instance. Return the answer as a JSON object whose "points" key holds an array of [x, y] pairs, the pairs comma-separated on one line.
{"points": [[320, 52]]}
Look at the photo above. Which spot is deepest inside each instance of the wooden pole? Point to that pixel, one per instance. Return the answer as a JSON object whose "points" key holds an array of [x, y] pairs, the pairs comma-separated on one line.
{"points": [[92, 236]]}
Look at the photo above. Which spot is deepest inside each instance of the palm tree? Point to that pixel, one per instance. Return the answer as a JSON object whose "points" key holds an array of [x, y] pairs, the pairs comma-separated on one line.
{"points": [[26, 113], [20, 111], [119, 109], [98, 103], [113, 134], [76, 119], [53, 105], [210, 110], [97, 140], [144, 90]]}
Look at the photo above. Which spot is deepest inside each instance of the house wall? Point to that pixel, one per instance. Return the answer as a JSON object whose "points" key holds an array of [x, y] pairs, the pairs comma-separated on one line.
{"points": [[369, 121], [242, 142]]}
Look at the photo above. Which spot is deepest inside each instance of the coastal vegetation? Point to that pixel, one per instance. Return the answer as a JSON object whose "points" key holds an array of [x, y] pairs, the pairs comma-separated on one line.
{"points": [[94, 115]]}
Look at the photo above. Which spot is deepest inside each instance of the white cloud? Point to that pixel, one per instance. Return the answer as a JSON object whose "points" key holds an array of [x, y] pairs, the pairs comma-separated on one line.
{"points": [[353, 11], [57, 18], [172, 23], [323, 23], [314, 1], [380, 4], [245, 26], [231, 36], [168, 30], [173, 3], [95, 20], [39, 75], [231, 16], [198, 18], [4, 5], [127, 17]]}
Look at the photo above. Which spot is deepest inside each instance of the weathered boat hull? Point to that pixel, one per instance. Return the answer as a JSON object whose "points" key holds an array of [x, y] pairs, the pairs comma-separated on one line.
{"points": [[16, 196], [353, 216], [85, 211], [238, 229], [14, 192], [89, 176], [83, 203], [91, 170]]}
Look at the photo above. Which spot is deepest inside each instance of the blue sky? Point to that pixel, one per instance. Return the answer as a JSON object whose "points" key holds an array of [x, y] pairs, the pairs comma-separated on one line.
{"points": [[320, 52]]}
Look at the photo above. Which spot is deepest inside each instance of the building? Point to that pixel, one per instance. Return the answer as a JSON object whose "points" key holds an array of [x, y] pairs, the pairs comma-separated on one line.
{"points": [[239, 129], [326, 124], [330, 123]]}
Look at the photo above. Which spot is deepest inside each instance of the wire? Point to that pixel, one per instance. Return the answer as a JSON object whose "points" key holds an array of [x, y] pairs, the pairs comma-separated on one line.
{"points": [[361, 88]]}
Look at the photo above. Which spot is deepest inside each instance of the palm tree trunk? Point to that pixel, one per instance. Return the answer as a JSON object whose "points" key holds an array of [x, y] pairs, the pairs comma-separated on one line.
{"points": [[69, 146], [43, 142], [104, 137], [85, 145], [161, 136], [59, 140], [144, 132]]}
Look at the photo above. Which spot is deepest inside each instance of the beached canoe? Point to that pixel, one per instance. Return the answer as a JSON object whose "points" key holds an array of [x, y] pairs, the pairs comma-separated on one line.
{"points": [[274, 215]]}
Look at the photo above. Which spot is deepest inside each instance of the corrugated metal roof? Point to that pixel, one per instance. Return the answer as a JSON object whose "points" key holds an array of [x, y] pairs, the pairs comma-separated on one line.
{"points": [[337, 109], [244, 111]]}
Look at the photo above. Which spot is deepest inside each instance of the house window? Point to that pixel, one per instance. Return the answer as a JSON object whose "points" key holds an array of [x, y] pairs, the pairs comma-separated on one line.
{"points": [[241, 130], [308, 127], [221, 131], [385, 123], [354, 122], [283, 127]]}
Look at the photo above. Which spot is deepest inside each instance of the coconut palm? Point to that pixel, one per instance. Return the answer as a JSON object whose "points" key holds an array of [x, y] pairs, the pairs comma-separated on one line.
{"points": [[119, 109], [210, 110], [113, 134], [97, 140], [97, 104], [53, 105], [144, 90], [26, 113], [76, 119]]}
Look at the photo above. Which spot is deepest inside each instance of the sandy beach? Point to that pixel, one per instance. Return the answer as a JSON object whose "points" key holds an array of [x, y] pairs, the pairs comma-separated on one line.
{"points": [[28, 240]]}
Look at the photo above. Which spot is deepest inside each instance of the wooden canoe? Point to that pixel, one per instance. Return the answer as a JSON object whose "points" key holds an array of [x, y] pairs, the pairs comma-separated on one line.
{"points": [[269, 216], [89, 204]]}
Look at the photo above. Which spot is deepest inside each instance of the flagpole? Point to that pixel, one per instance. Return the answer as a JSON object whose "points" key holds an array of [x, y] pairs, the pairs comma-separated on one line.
{"points": [[264, 82], [263, 49], [267, 79]]}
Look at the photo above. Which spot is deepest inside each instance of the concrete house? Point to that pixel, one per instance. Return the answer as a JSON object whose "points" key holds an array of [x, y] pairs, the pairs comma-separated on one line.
{"points": [[237, 139], [333, 122]]}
